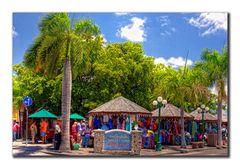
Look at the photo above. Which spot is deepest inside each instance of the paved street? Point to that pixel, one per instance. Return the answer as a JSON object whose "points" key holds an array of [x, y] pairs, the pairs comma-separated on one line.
{"points": [[46, 150], [23, 150], [214, 153]]}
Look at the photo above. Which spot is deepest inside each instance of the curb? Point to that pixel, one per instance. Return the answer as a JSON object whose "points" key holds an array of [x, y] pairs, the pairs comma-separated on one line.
{"points": [[194, 150]]}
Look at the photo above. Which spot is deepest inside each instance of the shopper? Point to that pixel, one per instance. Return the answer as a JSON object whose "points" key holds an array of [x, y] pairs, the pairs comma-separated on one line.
{"points": [[57, 136], [85, 136], [79, 130], [224, 135], [74, 131], [43, 128], [33, 129], [15, 128]]}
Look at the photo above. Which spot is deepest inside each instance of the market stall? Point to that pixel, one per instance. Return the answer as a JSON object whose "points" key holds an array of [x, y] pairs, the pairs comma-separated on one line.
{"points": [[119, 113], [50, 119], [210, 124], [170, 124]]}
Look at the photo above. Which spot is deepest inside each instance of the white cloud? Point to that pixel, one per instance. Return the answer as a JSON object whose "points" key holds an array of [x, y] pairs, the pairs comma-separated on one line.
{"points": [[14, 33], [168, 32], [210, 22], [164, 20], [175, 62], [134, 31], [121, 13], [165, 24]]}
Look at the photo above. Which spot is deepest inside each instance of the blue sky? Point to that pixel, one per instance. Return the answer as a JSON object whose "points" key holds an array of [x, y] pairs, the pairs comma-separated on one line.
{"points": [[165, 36]]}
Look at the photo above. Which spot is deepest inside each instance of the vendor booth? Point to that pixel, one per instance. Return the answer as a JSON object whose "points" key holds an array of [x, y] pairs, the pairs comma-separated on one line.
{"points": [[122, 114], [119, 113], [210, 124], [171, 126], [50, 119]]}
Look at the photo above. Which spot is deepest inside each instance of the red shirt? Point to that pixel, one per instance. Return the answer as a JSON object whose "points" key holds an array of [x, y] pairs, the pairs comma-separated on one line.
{"points": [[15, 127], [74, 129]]}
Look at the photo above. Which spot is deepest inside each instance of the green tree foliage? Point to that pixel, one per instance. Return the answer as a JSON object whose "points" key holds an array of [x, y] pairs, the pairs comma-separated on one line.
{"points": [[214, 67], [119, 69], [183, 88], [186, 90], [64, 47], [45, 92], [68, 68]]}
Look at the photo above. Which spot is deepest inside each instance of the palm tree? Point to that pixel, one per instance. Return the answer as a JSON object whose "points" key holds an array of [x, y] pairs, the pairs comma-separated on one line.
{"points": [[63, 46], [182, 87], [214, 67]]}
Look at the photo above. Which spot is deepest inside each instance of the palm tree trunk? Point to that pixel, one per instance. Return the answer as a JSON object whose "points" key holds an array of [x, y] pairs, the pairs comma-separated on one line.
{"points": [[219, 116], [66, 105], [183, 140]]}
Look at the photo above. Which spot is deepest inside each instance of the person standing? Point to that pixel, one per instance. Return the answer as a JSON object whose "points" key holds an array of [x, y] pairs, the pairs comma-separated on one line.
{"points": [[43, 128], [33, 129], [85, 136], [79, 130], [74, 131], [224, 135], [57, 136], [15, 128]]}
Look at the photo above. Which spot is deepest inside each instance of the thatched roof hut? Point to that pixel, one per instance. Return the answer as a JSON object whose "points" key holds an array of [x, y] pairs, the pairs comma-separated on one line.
{"points": [[224, 117], [170, 111], [207, 116], [120, 106]]}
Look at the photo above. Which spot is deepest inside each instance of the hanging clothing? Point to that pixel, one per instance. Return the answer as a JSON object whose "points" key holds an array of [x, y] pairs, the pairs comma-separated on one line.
{"points": [[118, 123], [90, 123], [105, 118], [127, 127], [167, 125], [97, 123], [110, 124], [123, 124], [133, 117]]}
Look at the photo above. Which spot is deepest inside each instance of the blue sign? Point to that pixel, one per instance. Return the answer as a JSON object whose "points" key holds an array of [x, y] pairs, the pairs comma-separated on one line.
{"points": [[27, 101], [117, 140]]}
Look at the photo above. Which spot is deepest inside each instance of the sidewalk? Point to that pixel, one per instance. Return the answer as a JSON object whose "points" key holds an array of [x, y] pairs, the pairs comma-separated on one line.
{"points": [[20, 149]]}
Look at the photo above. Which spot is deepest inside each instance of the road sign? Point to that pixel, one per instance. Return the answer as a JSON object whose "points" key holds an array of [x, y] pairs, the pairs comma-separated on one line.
{"points": [[27, 101]]}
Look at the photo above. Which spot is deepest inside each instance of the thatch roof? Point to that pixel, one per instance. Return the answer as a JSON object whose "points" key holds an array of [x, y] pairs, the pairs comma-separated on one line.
{"points": [[120, 105], [224, 117], [170, 111], [207, 116]]}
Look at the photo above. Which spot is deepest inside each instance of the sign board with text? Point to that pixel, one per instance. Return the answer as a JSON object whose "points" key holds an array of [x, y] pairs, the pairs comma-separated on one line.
{"points": [[117, 140]]}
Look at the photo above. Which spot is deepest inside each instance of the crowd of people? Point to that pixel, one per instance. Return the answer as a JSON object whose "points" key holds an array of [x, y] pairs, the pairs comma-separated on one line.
{"points": [[81, 133]]}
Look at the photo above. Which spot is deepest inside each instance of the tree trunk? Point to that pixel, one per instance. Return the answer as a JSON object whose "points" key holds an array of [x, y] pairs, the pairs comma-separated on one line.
{"points": [[183, 140], [66, 105], [219, 116]]}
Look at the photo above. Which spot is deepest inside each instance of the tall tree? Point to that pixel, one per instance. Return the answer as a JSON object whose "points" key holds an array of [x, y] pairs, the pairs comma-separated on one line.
{"points": [[181, 90], [63, 46], [44, 91], [214, 66]]}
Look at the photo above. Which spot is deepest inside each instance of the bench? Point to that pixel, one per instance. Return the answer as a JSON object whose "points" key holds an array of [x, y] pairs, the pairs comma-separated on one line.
{"points": [[198, 144]]}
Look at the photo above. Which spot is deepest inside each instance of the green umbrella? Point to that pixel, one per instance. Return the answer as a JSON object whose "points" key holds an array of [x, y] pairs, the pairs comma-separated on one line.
{"points": [[76, 116], [42, 114]]}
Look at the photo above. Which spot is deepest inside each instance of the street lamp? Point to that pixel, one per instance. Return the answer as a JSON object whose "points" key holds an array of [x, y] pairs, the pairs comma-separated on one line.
{"points": [[159, 103], [203, 109]]}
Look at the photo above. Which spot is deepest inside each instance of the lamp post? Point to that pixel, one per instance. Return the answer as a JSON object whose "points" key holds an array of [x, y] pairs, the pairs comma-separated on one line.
{"points": [[203, 109], [159, 103]]}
